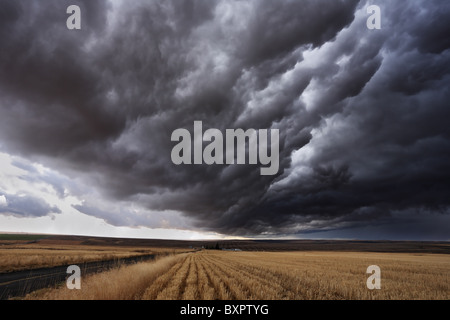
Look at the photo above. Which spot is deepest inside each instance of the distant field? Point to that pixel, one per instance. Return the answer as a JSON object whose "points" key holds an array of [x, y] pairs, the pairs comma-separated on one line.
{"points": [[25, 237], [245, 245], [17, 258], [28, 251], [225, 275], [24, 252]]}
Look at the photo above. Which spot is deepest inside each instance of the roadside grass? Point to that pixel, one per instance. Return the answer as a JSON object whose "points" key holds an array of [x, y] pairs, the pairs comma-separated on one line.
{"points": [[128, 282]]}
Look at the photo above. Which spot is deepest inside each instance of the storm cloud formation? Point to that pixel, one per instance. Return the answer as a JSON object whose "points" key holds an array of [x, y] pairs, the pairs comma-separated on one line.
{"points": [[25, 205], [362, 114]]}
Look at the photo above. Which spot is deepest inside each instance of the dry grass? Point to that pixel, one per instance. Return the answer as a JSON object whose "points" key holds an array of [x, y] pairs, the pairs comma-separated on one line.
{"points": [[125, 283], [270, 275]]}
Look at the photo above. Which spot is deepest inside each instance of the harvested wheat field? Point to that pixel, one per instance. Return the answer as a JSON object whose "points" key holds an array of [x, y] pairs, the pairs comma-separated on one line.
{"points": [[21, 257], [18, 253], [226, 275]]}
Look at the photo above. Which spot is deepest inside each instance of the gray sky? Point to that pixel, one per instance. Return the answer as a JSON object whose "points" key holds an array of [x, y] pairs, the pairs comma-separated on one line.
{"points": [[87, 117]]}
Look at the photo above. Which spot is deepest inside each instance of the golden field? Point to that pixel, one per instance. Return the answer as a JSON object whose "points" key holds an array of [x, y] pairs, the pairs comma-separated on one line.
{"points": [[30, 256], [225, 275]]}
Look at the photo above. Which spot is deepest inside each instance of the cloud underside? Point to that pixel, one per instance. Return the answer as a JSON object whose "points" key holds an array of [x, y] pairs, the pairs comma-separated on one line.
{"points": [[362, 114], [25, 205]]}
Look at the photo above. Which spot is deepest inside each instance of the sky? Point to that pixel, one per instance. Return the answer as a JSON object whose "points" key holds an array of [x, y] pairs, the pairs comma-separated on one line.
{"points": [[87, 116]]}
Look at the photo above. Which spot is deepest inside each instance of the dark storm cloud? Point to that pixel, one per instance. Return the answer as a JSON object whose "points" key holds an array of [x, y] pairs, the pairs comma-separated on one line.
{"points": [[47, 89], [362, 113]]}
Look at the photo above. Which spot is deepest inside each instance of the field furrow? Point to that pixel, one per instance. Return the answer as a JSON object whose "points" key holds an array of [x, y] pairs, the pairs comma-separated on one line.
{"points": [[176, 285], [249, 285], [261, 286], [205, 286], [235, 287], [221, 289], [161, 282], [191, 282]]}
